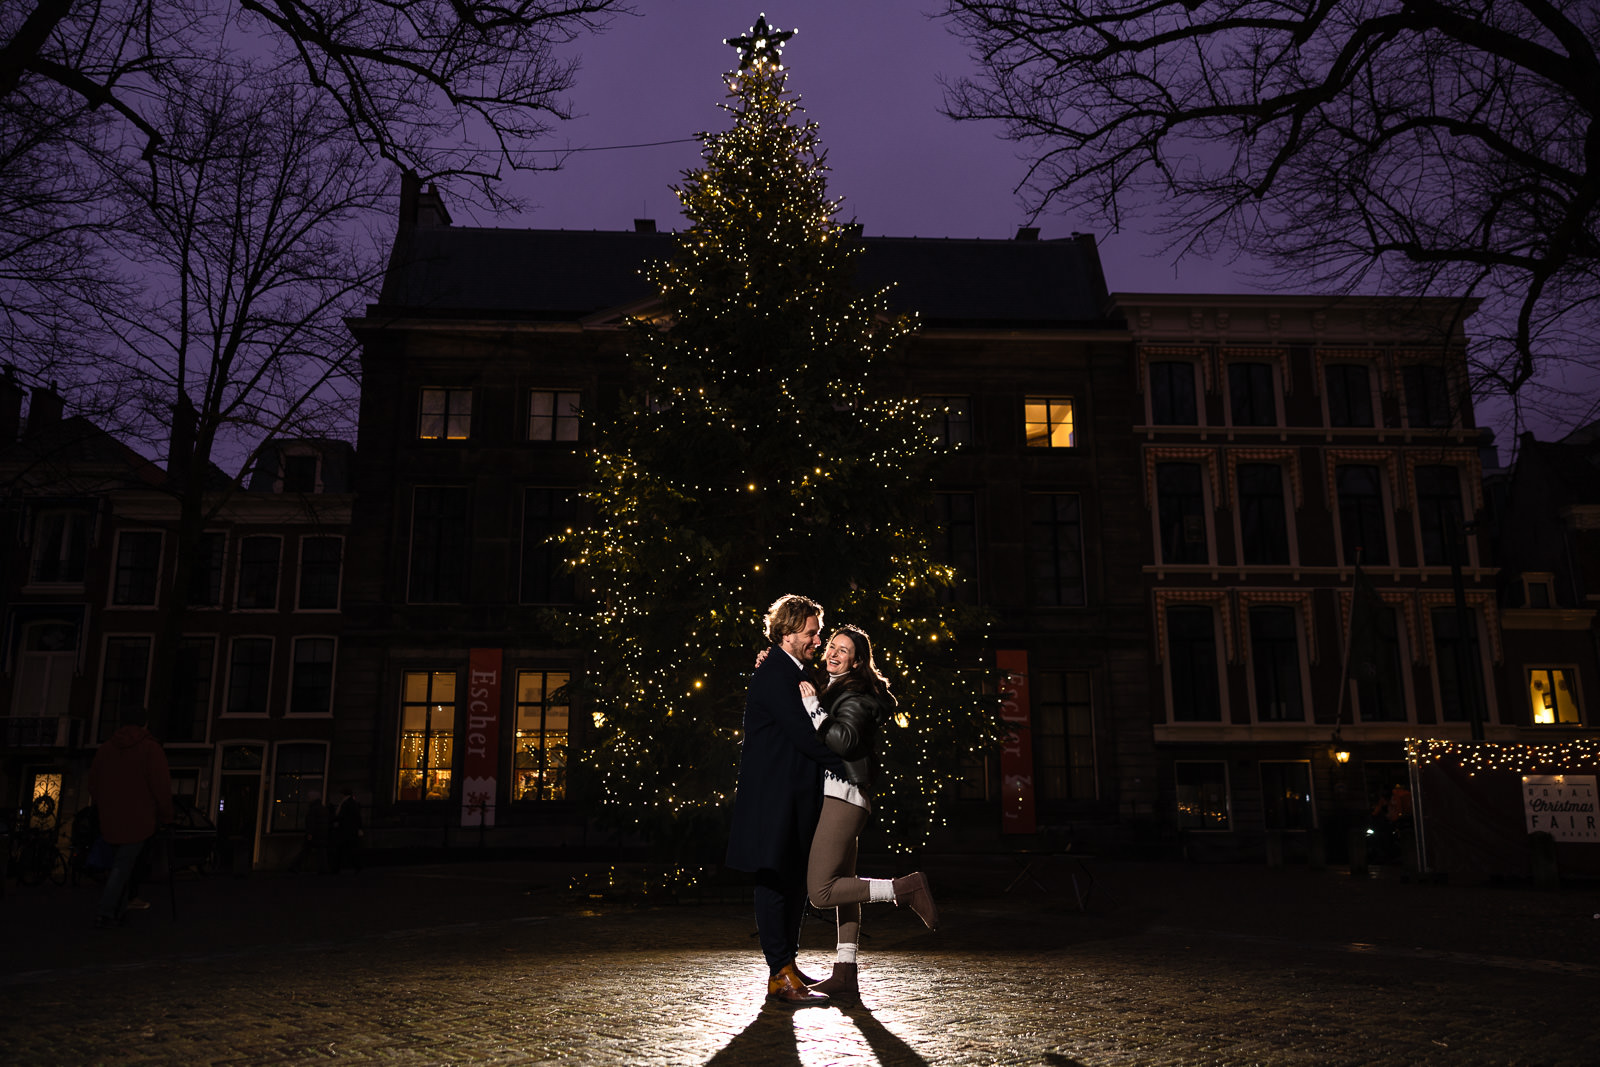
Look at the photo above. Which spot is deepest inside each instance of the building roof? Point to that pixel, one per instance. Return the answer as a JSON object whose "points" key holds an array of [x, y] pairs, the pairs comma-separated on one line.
{"points": [[569, 275]]}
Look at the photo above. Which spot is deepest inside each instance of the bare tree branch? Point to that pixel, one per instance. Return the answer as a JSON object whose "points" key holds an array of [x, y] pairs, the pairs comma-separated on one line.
{"points": [[1427, 146]]}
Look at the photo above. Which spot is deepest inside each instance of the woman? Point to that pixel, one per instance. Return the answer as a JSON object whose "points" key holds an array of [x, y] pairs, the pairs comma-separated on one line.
{"points": [[853, 705]]}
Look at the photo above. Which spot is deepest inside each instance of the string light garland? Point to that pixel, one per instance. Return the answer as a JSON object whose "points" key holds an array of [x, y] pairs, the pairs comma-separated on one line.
{"points": [[760, 450], [1474, 757]]}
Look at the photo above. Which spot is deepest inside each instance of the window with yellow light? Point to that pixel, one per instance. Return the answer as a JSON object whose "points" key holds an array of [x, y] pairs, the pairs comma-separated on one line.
{"points": [[1047, 422], [1551, 698]]}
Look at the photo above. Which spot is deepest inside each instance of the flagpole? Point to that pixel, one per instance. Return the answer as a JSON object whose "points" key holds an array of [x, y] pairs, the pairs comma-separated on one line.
{"points": [[1344, 668]]}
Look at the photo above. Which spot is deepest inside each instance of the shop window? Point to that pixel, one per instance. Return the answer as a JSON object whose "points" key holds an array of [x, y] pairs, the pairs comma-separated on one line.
{"points": [[427, 735], [1202, 795], [543, 726], [298, 784], [1286, 800]]}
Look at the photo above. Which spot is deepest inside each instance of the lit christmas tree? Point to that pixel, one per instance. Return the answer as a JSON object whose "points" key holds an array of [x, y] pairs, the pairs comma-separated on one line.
{"points": [[759, 452]]}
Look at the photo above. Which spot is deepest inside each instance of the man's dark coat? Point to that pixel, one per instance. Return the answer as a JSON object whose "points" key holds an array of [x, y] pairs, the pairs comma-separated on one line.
{"points": [[780, 773]]}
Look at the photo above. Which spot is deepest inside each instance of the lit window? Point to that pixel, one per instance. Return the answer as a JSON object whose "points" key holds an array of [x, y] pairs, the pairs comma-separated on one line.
{"points": [[1047, 422], [446, 415], [552, 416], [427, 735], [541, 742], [1202, 795], [1550, 697]]}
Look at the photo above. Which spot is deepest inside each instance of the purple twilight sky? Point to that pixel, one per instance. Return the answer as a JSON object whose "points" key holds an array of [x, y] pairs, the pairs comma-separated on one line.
{"points": [[866, 72]]}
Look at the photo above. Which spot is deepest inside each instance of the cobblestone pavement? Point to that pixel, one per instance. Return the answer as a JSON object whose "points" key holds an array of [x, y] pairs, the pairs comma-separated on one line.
{"points": [[500, 964]]}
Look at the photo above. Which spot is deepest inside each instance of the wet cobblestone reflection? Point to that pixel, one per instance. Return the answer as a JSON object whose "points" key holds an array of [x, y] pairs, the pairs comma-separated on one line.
{"points": [[348, 973]]}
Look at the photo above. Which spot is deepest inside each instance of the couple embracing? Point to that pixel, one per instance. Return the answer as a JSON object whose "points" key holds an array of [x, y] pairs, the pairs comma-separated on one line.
{"points": [[804, 779]]}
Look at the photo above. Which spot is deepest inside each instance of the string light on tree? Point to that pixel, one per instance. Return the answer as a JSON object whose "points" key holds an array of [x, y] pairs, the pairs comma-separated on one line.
{"points": [[761, 449]]}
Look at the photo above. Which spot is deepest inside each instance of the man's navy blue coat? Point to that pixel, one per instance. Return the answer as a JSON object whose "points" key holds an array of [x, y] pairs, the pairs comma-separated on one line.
{"points": [[780, 773]]}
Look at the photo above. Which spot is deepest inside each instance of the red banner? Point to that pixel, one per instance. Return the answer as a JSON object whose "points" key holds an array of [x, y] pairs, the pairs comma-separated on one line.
{"points": [[1016, 758], [480, 770]]}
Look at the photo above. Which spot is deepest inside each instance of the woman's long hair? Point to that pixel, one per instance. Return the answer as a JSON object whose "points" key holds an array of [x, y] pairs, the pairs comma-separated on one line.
{"points": [[863, 676]]}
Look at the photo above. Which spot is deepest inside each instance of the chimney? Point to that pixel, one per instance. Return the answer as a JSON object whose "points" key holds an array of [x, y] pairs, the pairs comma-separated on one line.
{"points": [[422, 208], [1027, 233], [11, 395], [644, 225], [44, 410], [431, 212]]}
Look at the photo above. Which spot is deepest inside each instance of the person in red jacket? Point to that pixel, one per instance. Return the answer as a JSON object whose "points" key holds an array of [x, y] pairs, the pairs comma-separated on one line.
{"points": [[131, 786]]}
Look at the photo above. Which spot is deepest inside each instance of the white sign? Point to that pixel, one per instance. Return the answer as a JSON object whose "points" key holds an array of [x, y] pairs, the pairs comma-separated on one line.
{"points": [[1562, 805]]}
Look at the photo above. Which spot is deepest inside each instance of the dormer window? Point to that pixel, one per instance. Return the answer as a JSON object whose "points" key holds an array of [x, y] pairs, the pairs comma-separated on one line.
{"points": [[1538, 590], [301, 473]]}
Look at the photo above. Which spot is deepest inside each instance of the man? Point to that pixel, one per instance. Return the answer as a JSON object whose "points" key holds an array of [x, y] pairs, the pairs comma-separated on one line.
{"points": [[131, 787], [347, 833], [780, 793]]}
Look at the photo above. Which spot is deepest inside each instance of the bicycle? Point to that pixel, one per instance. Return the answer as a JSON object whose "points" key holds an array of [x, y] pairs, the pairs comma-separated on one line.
{"points": [[35, 854]]}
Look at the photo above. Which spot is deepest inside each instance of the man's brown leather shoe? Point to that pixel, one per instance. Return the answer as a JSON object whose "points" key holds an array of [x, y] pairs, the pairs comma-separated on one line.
{"points": [[912, 891], [785, 987]]}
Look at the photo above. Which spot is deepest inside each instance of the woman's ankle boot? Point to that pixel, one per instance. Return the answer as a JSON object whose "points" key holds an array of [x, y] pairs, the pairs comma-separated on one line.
{"points": [[841, 985]]}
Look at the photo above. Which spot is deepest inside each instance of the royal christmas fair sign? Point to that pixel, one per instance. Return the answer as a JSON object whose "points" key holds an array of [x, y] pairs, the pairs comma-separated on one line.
{"points": [[1561, 805]]}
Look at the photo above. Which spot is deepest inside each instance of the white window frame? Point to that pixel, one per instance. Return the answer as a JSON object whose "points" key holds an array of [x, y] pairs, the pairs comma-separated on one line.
{"points": [[294, 667]]}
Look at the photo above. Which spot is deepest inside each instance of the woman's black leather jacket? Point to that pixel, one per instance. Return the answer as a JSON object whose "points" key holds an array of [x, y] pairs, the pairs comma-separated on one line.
{"points": [[850, 730]]}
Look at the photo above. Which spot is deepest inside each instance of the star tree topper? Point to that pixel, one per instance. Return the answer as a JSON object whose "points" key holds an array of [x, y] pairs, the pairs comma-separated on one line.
{"points": [[761, 44]]}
